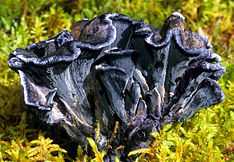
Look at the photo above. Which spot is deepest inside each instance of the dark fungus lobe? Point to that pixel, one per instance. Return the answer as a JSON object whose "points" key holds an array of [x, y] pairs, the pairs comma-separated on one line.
{"points": [[118, 74]]}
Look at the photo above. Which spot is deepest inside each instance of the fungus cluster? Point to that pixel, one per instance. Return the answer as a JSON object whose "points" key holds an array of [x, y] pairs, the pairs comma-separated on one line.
{"points": [[120, 75]]}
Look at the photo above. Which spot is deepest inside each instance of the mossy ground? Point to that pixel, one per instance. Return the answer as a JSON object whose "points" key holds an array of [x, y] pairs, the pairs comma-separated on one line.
{"points": [[206, 137]]}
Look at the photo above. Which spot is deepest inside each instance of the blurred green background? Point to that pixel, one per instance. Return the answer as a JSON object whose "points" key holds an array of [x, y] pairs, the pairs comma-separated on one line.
{"points": [[206, 137]]}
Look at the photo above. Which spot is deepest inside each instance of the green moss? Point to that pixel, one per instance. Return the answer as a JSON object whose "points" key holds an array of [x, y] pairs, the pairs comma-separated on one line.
{"points": [[208, 136]]}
